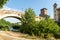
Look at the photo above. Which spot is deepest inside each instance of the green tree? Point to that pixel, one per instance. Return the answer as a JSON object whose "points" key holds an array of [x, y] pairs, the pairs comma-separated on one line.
{"points": [[28, 20], [2, 2]]}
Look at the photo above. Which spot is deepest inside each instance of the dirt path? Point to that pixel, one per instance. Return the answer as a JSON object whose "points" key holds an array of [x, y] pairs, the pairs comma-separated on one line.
{"points": [[4, 35]]}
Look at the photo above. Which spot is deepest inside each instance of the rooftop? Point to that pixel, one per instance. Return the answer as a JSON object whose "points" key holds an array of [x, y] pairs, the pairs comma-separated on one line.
{"points": [[44, 8]]}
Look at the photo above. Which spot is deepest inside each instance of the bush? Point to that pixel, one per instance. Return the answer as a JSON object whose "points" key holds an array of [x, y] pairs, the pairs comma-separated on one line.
{"points": [[48, 27], [4, 25]]}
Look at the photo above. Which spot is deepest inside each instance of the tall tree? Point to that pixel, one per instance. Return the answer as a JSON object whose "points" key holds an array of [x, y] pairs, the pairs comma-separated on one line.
{"points": [[28, 21], [2, 2]]}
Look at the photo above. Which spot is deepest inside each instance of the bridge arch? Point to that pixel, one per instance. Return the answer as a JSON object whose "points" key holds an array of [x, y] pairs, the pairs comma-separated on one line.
{"points": [[10, 13], [19, 18]]}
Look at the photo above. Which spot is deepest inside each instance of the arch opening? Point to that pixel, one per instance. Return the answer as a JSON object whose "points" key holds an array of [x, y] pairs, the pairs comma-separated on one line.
{"points": [[12, 19], [15, 21]]}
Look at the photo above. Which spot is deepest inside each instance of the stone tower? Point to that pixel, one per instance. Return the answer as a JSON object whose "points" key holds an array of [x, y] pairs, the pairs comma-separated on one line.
{"points": [[55, 13], [43, 13]]}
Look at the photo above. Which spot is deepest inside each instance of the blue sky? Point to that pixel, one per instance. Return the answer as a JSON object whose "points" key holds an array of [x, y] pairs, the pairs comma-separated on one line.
{"points": [[35, 4]]}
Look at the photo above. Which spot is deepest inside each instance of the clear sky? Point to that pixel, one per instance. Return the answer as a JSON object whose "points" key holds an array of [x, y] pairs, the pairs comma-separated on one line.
{"points": [[35, 4]]}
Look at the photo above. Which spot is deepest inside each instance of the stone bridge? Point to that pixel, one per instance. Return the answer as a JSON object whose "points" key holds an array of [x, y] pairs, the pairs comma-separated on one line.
{"points": [[10, 13]]}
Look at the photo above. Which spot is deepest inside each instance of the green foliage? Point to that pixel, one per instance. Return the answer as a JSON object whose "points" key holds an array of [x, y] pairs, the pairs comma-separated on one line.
{"points": [[28, 21], [29, 16], [48, 27], [4, 25], [2, 2]]}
